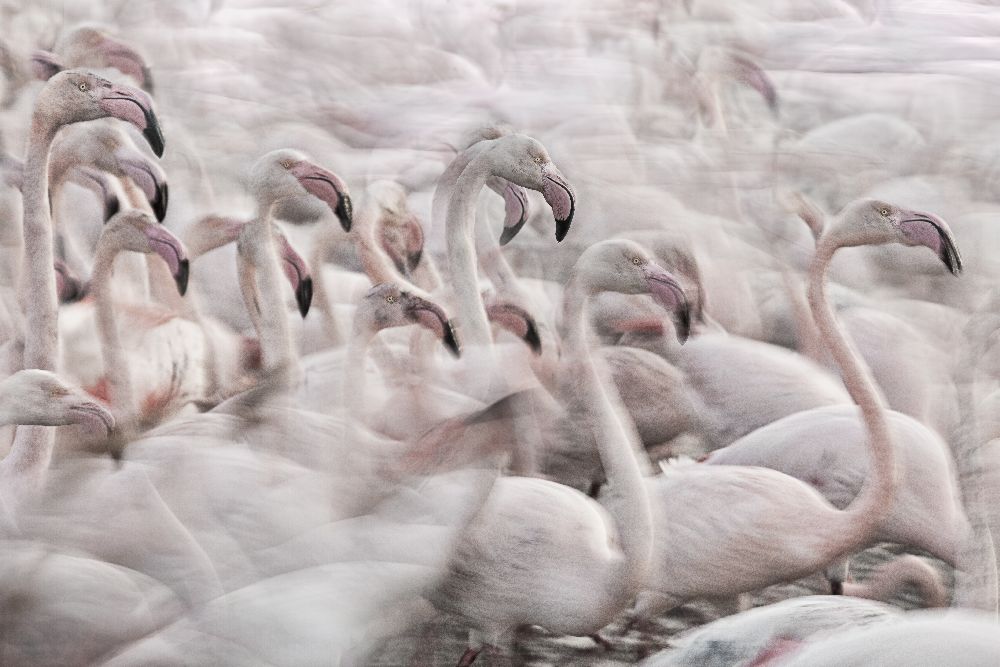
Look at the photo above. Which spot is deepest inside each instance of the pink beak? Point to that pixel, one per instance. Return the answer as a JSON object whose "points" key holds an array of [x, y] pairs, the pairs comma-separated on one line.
{"points": [[328, 187]]}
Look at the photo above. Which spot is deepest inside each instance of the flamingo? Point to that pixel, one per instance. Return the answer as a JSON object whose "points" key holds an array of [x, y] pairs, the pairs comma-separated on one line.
{"points": [[68, 97], [566, 564], [91, 47], [780, 527], [142, 375]]}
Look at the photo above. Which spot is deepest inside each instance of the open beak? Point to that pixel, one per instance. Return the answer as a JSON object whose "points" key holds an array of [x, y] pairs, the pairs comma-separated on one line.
{"points": [[89, 412], [136, 107], [931, 231], [297, 273], [560, 197], [516, 320], [431, 316], [515, 212], [169, 247], [667, 291], [328, 187], [148, 176]]}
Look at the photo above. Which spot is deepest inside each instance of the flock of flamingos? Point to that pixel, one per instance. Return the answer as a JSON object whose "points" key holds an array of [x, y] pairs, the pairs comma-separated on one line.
{"points": [[533, 324]]}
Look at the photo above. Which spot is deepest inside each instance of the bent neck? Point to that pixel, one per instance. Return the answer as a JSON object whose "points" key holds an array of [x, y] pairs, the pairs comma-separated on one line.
{"points": [[864, 514], [628, 501]]}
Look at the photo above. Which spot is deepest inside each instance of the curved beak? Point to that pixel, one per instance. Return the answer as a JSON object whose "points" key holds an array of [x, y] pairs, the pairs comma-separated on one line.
{"points": [[98, 182], [148, 176], [430, 315], [89, 412], [560, 197], [69, 288], [667, 291], [169, 247], [930, 230], [127, 60], [516, 209], [328, 187], [517, 321], [297, 273], [136, 107], [750, 73]]}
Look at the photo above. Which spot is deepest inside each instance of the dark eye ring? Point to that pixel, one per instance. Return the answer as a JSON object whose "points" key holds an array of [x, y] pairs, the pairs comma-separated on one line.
{"points": [[636, 261], [82, 87]]}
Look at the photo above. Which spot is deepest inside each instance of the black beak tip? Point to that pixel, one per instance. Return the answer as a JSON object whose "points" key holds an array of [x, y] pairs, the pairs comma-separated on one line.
{"points": [[532, 338], [562, 227], [160, 203], [152, 133], [304, 295], [684, 324], [345, 211], [450, 340], [509, 233], [413, 260], [111, 207], [181, 278]]}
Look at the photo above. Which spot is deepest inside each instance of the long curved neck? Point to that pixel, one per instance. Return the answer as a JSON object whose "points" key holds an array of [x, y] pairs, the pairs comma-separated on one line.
{"points": [[871, 505], [40, 346], [116, 364], [628, 501], [462, 251], [262, 293], [31, 451]]}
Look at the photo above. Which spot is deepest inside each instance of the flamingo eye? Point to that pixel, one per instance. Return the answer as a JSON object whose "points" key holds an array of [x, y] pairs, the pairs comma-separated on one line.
{"points": [[637, 261], [82, 86], [537, 160], [287, 164], [391, 298], [884, 212]]}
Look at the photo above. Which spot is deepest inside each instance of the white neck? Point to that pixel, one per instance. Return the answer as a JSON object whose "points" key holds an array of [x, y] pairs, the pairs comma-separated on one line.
{"points": [[628, 501]]}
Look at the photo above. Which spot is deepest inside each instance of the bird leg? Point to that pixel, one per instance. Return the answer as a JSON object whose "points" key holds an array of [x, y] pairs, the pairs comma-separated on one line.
{"points": [[601, 641]]}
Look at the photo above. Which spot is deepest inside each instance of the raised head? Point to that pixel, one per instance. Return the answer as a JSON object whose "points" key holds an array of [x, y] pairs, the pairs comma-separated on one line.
{"points": [[874, 222], [515, 199], [40, 398], [623, 266], [386, 305], [285, 173], [136, 231], [89, 46], [74, 96], [524, 161]]}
